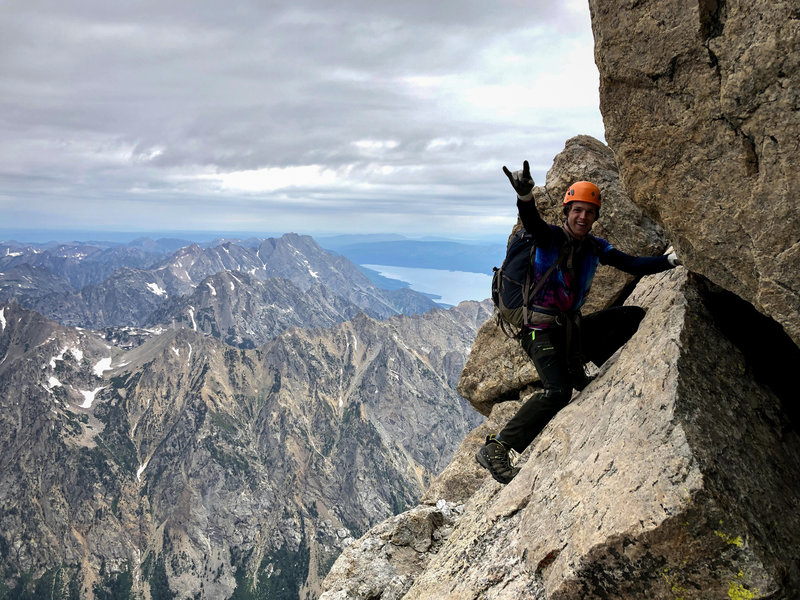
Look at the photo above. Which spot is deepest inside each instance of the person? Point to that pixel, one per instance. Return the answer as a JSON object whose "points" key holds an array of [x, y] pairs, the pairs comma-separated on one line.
{"points": [[557, 339]]}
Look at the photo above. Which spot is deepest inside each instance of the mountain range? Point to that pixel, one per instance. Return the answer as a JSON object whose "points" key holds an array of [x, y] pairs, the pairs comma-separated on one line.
{"points": [[212, 422], [95, 287]]}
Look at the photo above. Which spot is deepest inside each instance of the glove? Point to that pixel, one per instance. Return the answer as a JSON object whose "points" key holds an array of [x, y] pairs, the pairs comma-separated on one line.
{"points": [[673, 259], [521, 181]]}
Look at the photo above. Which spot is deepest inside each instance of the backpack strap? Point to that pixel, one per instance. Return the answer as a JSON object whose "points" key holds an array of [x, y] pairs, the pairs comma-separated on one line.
{"points": [[509, 334]]}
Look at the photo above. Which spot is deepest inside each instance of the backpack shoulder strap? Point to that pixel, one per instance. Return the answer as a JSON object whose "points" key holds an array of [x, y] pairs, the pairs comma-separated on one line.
{"points": [[530, 294]]}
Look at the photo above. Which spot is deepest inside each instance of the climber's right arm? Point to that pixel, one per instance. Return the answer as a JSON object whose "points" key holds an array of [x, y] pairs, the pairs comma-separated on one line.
{"points": [[522, 182]]}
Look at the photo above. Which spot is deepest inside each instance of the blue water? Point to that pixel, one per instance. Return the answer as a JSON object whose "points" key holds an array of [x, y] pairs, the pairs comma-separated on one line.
{"points": [[452, 287]]}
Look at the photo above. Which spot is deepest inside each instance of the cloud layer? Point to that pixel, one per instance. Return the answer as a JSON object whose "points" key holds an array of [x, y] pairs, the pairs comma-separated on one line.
{"points": [[307, 116]]}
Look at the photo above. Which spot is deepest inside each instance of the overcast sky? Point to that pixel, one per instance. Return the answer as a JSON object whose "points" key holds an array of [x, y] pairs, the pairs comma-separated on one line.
{"points": [[309, 116]]}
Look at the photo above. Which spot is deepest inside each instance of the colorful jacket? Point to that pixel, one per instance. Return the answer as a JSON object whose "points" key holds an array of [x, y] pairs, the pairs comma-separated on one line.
{"points": [[568, 285]]}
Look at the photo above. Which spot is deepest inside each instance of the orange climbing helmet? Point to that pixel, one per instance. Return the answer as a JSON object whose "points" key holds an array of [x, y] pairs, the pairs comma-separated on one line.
{"points": [[583, 191]]}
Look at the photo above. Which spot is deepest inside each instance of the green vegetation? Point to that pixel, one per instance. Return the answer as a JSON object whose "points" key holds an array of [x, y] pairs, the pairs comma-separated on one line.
{"points": [[231, 462], [120, 381], [71, 423], [676, 589], [155, 572], [114, 438], [729, 539], [60, 582], [326, 561], [312, 510], [224, 422], [730, 557], [115, 586], [231, 358], [276, 384], [280, 576]]}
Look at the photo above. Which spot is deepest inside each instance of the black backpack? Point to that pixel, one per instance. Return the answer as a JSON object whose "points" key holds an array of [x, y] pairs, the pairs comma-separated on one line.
{"points": [[512, 284]]}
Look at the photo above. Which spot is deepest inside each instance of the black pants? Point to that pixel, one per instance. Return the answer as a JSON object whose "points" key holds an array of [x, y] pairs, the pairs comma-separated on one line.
{"points": [[559, 362]]}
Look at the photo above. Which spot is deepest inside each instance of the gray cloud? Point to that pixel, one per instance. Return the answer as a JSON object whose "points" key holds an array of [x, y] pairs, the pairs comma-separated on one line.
{"points": [[310, 115]]}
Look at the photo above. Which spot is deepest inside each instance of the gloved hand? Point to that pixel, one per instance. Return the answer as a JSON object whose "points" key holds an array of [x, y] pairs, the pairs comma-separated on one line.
{"points": [[521, 181], [672, 258]]}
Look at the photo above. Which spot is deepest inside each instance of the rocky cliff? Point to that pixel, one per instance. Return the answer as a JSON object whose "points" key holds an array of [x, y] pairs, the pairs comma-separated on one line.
{"points": [[700, 103], [675, 473]]}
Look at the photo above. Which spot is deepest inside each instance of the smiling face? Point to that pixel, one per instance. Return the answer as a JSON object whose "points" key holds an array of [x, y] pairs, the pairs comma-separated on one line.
{"points": [[580, 218]]}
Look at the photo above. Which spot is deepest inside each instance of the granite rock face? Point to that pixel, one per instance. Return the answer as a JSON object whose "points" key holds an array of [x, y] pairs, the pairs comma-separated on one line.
{"points": [[621, 222], [700, 103], [674, 474], [498, 368]]}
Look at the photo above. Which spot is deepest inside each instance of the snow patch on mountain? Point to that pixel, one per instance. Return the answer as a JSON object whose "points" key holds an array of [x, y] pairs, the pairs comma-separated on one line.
{"points": [[88, 397], [157, 290], [140, 470], [104, 364]]}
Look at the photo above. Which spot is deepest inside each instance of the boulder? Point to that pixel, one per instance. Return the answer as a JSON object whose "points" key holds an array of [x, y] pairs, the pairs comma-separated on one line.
{"points": [[496, 370], [386, 560], [700, 103], [675, 473]]}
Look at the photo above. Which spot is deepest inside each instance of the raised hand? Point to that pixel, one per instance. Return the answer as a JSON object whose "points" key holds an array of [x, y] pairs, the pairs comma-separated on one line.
{"points": [[521, 181]]}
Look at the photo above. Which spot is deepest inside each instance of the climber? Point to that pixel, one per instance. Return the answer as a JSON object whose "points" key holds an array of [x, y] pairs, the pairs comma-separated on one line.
{"points": [[558, 340]]}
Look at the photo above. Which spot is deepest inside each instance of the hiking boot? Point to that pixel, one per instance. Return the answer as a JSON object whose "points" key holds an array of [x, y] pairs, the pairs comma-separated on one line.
{"points": [[579, 378], [493, 456]]}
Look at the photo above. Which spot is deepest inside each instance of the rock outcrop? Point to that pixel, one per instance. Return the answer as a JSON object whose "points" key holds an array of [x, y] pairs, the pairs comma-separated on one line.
{"points": [[390, 556], [497, 368], [700, 103], [674, 474]]}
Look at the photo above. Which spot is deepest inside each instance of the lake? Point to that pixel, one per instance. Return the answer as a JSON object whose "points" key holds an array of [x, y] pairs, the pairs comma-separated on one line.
{"points": [[452, 286]]}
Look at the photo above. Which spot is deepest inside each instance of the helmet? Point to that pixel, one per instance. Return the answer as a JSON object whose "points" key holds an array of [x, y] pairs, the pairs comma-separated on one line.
{"points": [[583, 191]]}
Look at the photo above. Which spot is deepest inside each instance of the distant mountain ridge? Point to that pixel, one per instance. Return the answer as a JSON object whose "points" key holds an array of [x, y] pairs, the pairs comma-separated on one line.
{"points": [[79, 263], [128, 286], [246, 312]]}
